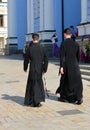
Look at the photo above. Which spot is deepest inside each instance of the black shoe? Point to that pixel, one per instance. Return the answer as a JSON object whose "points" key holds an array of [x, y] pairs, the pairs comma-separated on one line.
{"points": [[38, 105], [62, 100], [78, 102], [32, 105]]}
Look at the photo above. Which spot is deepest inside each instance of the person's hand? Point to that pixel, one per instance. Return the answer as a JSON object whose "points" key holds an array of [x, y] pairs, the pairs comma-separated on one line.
{"points": [[62, 70]]}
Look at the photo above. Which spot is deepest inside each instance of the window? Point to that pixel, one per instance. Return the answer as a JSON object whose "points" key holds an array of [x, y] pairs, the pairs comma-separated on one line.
{"points": [[1, 20]]}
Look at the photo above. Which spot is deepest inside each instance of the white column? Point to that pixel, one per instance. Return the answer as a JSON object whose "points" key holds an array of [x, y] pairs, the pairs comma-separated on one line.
{"points": [[12, 28], [83, 11], [12, 41], [46, 24], [88, 10], [48, 15], [46, 19], [30, 17], [41, 15], [30, 20]]}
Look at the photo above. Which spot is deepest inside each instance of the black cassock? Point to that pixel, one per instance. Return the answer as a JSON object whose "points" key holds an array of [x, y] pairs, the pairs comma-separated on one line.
{"points": [[37, 58], [71, 87]]}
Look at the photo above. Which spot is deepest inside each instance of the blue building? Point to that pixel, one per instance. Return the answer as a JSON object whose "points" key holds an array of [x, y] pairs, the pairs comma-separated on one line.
{"points": [[43, 16], [84, 25]]}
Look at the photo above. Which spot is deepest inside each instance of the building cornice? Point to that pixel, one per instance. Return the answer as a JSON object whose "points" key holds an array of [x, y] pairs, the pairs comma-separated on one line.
{"points": [[83, 23]]}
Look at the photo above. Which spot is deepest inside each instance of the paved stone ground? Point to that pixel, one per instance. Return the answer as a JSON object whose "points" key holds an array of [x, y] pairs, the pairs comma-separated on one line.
{"points": [[53, 115]]}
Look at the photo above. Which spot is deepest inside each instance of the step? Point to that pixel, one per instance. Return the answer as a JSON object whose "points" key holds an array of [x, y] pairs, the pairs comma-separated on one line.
{"points": [[85, 66], [85, 77], [85, 72]]}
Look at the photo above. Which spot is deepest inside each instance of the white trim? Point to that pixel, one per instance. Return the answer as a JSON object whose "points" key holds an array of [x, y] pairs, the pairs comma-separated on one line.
{"points": [[30, 17], [48, 15], [87, 26], [11, 40], [41, 15], [12, 29], [83, 11]]}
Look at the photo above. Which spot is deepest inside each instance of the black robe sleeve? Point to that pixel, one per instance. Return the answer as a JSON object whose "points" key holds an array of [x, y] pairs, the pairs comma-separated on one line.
{"points": [[45, 62], [26, 60], [62, 56]]}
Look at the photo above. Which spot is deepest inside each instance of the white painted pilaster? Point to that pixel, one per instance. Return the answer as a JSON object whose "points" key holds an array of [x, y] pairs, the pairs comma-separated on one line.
{"points": [[87, 26], [46, 19], [48, 15], [12, 40], [30, 17], [41, 15], [12, 25], [83, 11], [30, 20], [81, 30]]}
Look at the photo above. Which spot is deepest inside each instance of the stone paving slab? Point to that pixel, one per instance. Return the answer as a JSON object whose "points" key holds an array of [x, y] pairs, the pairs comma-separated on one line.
{"points": [[53, 115]]}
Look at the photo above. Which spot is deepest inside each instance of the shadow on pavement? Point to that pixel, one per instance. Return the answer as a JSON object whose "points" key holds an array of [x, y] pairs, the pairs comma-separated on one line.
{"points": [[51, 96], [20, 100], [17, 99], [12, 57]]}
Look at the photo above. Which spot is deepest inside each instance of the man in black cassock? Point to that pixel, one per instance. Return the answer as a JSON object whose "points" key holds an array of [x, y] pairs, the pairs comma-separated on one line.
{"points": [[71, 87], [37, 58]]}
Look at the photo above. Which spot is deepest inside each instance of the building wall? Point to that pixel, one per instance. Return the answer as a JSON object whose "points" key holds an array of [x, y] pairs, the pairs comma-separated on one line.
{"points": [[88, 10], [45, 20], [72, 15], [3, 29], [72, 12], [58, 19], [36, 5], [84, 25], [4, 0], [21, 21]]}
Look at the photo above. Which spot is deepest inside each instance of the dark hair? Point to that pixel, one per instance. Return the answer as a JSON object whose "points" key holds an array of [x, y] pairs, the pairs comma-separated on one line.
{"points": [[35, 36], [68, 31], [71, 26]]}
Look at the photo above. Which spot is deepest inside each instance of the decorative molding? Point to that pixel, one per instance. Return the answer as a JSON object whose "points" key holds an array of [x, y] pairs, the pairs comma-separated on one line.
{"points": [[12, 40], [11, 37], [83, 23], [47, 31]]}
